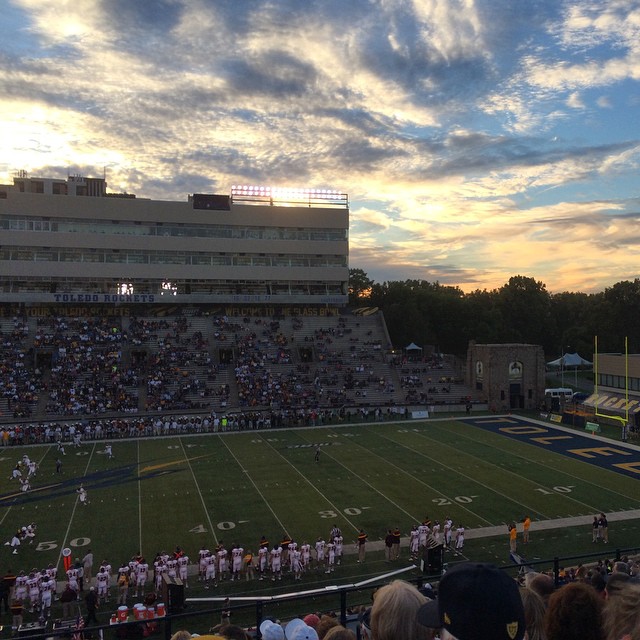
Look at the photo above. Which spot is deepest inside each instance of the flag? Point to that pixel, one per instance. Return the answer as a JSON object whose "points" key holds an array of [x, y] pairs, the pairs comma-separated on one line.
{"points": [[79, 626]]}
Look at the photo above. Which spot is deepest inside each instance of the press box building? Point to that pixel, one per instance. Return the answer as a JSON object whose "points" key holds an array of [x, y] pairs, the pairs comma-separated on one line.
{"points": [[70, 241]]}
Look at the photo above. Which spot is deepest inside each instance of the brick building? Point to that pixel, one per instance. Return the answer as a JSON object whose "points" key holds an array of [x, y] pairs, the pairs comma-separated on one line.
{"points": [[507, 376]]}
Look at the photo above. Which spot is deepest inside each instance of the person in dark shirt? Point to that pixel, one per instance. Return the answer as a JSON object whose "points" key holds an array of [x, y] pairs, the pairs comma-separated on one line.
{"points": [[362, 543], [6, 587], [68, 598], [388, 545], [91, 600], [395, 551]]}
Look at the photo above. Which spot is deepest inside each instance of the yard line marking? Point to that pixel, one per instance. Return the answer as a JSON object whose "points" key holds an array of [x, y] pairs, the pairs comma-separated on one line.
{"points": [[556, 469], [584, 504], [75, 503], [351, 472], [464, 475], [193, 475], [255, 486], [414, 478]]}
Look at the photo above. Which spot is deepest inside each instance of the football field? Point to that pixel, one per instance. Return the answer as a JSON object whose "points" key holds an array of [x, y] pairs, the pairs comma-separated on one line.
{"points": [[201, 490]]}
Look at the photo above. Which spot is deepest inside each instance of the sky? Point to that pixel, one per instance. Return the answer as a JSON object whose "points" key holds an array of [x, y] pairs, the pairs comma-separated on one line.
{"points": [[476, 139]]}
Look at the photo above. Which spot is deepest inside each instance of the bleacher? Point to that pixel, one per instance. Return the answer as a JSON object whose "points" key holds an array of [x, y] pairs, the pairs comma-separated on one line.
{"points": [[194, 362]]}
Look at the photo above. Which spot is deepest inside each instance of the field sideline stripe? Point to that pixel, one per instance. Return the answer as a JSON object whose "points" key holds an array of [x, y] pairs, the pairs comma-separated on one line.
{"points": [[255, 486], [353, 473], [75, 504], [546, 466], [193, 475], [414, 478]]}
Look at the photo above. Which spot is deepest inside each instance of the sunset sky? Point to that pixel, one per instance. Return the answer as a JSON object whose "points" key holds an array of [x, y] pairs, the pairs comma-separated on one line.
{"points": [[477, 139]]}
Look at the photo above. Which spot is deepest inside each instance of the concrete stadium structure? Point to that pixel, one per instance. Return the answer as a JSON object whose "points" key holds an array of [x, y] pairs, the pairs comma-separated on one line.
{"points": [[65, 242]]}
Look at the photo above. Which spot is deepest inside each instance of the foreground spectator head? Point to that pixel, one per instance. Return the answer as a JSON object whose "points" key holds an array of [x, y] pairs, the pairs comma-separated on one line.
{"points": [[476, 601], [622, 614], [270, 630], [296, 629], [323, 626], [312, 620], [340, 633], [615, 582], [574, 612], [394, 613], [534, 610], [233, 632], [541, 583]]}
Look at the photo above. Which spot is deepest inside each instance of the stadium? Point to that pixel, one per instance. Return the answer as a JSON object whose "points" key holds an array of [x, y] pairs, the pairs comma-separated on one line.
{"points": [[188, 374]]}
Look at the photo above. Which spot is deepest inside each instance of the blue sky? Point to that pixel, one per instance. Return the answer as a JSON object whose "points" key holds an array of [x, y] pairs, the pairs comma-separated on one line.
{"points": [[477, 139]]}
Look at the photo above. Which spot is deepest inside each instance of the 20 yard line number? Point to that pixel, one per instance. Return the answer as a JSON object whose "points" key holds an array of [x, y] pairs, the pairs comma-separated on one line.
{"points": [[443, 502]]}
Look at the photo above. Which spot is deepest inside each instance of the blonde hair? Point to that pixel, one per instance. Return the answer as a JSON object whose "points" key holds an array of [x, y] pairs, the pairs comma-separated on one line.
{"points": [[622, 613], [534, 610], [394, 613], [340, 633]]}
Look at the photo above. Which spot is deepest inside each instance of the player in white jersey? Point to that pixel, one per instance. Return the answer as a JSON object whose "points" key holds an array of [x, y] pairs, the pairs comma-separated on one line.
{"points": [[423, 532], [20, 592], [33, 588], [109, 452], [29, 532], [448, 525], [102, 581], [142, 573], [305, 550], [276, 562], [33, 467], [413, 542], [293, 547], [172, 567], [202, 561], [84, 497], [339, 541], [52, 573], [210, 571], [160, 570], [320, 547], [459, 539], [236, 561], [47, 589], [72, 578], [222, 562], [263, 554], [296, 564], [436, 531], [331, 557], [183, 569]]}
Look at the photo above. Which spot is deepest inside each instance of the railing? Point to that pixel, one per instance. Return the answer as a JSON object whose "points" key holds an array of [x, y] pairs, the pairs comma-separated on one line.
{"points": [[250, 611]]}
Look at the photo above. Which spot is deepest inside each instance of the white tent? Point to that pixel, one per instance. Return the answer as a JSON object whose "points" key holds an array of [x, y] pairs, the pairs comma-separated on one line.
{"points": [[569, 360], [413, 347]]}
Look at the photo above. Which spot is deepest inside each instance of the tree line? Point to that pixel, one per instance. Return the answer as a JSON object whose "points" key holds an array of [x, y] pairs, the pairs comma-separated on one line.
{"points": [[522, 310]]}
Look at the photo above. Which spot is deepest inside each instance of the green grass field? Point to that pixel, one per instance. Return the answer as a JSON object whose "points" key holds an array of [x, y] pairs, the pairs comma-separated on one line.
{"points": [[199, 490]]}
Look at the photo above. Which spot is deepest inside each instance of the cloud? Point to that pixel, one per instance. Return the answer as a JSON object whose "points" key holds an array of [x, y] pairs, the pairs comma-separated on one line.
{"points": [[476, 140]]}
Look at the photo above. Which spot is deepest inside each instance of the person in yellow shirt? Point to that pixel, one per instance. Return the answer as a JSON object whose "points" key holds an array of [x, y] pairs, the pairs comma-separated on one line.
{"points": [[513, 534], [526, 526]]}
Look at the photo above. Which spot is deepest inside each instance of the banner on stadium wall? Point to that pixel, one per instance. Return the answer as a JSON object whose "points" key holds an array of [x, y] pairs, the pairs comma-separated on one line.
{"points": [[419, 415]]}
